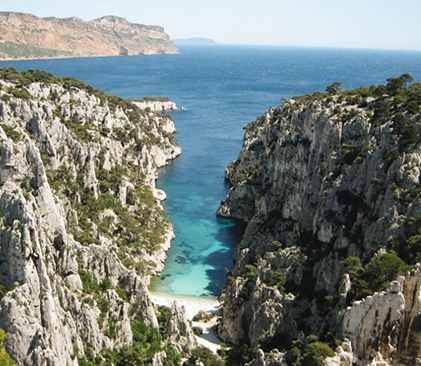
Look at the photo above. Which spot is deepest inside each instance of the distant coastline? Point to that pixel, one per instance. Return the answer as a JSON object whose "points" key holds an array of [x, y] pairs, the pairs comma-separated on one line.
{"points": [[197, 41], [26, 36]]}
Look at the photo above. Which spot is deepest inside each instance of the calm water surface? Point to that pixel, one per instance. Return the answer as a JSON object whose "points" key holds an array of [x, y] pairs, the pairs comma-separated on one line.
{"points": [[223, 89]]}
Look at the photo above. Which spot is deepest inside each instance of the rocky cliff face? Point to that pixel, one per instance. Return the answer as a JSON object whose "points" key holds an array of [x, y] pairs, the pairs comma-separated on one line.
{"points": [[27, 36], [80, 228], [329, 185]]}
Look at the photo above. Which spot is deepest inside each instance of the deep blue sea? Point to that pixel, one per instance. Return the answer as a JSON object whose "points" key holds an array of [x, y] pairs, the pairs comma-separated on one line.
{"points": [[223, 89]]}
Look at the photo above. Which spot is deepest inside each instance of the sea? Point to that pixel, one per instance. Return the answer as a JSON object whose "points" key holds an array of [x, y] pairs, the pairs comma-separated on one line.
{"points": [[223, 88]]}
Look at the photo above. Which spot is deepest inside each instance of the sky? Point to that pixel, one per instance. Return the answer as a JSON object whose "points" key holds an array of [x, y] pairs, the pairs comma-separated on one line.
{"points": [[383, 24]]}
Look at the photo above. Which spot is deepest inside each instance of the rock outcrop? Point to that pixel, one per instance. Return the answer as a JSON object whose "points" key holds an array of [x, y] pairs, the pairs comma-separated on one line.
{"points": [[80, 229], [156, 105], [27, 36], [179, 331], [274, 358], [344, 356], [329, 186]]}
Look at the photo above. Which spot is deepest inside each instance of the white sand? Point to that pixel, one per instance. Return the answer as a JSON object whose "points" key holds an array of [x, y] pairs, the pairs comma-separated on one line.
{"points": [[193, 305]]}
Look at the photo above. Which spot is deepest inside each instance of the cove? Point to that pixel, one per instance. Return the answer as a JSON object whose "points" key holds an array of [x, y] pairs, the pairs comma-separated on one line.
{"points": [[223, 89]]}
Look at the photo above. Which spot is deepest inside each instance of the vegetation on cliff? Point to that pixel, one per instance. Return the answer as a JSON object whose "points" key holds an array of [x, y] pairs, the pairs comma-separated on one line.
{"points": [[5, 359], [80, 228], [329, 185]]}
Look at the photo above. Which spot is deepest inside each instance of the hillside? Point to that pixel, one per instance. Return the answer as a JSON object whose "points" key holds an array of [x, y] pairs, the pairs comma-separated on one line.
{"points": [[81, 226], [27, 36], [329, 185]]}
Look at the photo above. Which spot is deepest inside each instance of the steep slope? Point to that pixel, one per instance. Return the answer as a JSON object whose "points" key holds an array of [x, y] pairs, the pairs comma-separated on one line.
{"points": [[81, 229], [27, 36], [329, 185]]}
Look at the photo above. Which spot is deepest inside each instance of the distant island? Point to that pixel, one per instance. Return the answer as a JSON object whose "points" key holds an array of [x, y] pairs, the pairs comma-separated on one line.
{"points": [[27, 36], [195, 42]]}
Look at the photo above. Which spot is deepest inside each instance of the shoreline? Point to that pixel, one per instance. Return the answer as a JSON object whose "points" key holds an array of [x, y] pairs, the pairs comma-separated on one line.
{"points": [[164, 295], [192, 306], [80, 56]]}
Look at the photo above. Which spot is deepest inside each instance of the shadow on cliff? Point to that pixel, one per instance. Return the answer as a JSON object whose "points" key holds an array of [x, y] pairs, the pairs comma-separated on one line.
{"points": [[229, 234]]}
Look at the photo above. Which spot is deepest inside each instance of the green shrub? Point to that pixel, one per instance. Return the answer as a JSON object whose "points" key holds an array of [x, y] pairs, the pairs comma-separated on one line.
{"points": [[105, 284], [80, 130], [331, 340], [277, 279], [3, 291], [413, 107], [308, 352], [5, 359], [173, 357], [239, 355], [375, 275], [147, 341], [120, 134], [204, 355], [90, 286], [381, 109], [316, 353], [122, 293], [10, 132], [20, 93], [410, 249], [250, 271], [5, 98], [163, 314], [198, 331], [202, 316], [383, 269], [153, 99]]}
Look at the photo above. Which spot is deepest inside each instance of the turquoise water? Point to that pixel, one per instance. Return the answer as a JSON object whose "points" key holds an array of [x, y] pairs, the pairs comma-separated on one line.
{"points": [[223, 88]]}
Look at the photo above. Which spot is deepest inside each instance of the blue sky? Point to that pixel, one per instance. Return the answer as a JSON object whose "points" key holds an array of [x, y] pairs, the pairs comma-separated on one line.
{"points": [[392, 24]]}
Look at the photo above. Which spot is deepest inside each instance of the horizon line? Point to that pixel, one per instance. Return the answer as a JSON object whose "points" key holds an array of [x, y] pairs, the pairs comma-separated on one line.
{"points": [[360, 48]]}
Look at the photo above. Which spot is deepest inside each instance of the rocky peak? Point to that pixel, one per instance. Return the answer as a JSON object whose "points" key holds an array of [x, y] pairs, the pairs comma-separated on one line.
{"points": [[112, 21], [179, 330]]}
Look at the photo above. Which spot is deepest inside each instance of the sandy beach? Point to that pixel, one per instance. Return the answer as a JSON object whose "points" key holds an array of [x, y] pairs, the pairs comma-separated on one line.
{"points": [[193, 306]]}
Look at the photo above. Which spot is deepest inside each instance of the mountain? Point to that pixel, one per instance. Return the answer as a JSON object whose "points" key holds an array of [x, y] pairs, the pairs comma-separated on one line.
{"points": [[329, 185], [27, 36], [195, 42], [81, 226]]}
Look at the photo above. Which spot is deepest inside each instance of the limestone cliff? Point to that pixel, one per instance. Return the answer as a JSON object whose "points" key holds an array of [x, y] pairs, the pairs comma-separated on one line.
{"points": [[80, 228], [27, 36], [329, 185]]}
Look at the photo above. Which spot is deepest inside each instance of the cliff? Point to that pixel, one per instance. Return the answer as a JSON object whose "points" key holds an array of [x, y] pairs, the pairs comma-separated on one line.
{"points": [[81, 231], [27, 36], [329, 185]]}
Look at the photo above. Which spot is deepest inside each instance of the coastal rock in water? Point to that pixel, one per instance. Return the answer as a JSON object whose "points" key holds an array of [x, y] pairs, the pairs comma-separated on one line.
{"points": [[27, 36], [329, 187], [75, 258], [156, 105]]}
